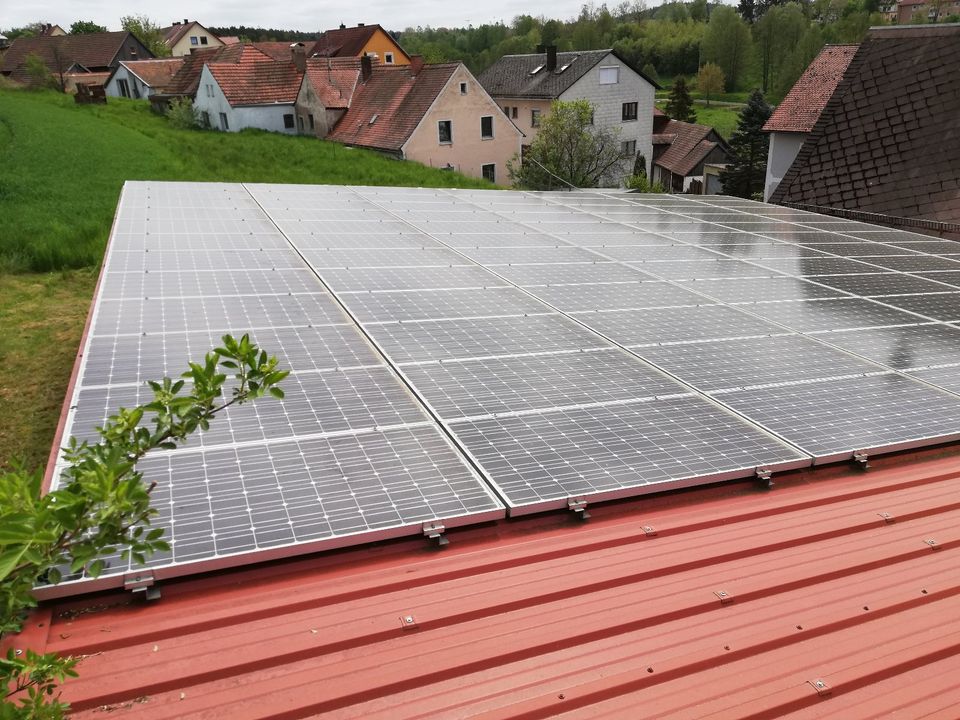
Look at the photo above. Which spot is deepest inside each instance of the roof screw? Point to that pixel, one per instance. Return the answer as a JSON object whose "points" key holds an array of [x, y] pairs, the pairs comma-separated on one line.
{"points": [[820, 684], [408, 619], [18, 652]]}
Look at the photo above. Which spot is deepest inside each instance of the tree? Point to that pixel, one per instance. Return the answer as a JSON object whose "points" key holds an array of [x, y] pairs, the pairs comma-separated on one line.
{"points": [[699, 10], [775, 34], [710, 81], [745, 175], [103, 505], [84, 27], [680, 104], [147, 32], [38, 72], [651, 72], [727, 43], [568, 150], [747, 10]]}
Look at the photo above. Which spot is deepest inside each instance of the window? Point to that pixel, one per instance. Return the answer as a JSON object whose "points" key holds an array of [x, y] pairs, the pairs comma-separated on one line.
{"points": [[609, 75], [124, 88], [388, 58], [136, 90], [205, 118], [629, 111], [310, 120], [194, 40], [628, 148], [514, 116], [288, 121], [224, 125], [203, 39], [463, 88], [445, 131], [534, 118], [209, 88], [486, 127], [489, 172], [300, 123]]}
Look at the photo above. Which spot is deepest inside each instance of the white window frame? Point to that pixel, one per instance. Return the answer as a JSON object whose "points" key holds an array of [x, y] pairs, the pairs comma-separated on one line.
{"points": [[490, 136], [194, 40], [605, 73], [388, 58]]}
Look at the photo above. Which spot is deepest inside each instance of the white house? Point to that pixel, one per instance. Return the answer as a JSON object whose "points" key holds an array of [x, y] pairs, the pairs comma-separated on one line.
{"points": [[188, 36], [794, 118], [623, 98], [141, 78]]}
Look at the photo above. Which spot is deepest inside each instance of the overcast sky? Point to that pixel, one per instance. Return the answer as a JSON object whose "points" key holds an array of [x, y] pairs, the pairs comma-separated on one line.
{"points": [[308, 16]]}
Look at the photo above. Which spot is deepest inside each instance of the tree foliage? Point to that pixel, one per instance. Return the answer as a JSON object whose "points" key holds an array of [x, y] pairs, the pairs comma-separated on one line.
{"points": [[745, 176], [102, 506], [727, 43], [38, 72], [710, 81], [84, 27], [182, 114], [775, 33], [569, 150], [680, 105], [147, 32]]}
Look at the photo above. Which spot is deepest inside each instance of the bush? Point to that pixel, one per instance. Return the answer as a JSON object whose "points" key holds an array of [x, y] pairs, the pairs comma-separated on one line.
{"points": [[640, 183], [182, 115]]}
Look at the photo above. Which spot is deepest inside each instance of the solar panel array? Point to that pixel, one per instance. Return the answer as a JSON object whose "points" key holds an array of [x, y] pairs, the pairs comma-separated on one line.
{"points": [[453, 348]]}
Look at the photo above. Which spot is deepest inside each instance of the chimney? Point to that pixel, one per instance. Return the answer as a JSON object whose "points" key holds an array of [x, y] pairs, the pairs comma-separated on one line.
{"points": [[359, 24], [551, 58], [366, 68], [298, 54], [342, 26], [186, 21], [416, 64]]}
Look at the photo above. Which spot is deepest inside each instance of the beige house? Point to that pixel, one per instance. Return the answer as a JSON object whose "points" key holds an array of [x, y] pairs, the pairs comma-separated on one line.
{"points": [[185, 37], [438, 115]]}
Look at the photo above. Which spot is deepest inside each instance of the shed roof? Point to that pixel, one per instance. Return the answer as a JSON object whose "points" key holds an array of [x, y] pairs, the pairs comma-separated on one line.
{"points": [[389, 106], [888, 141], [808, 97], [835, 595]]}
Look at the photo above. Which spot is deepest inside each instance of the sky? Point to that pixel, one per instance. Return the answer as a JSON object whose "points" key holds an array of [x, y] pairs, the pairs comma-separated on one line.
{"points": [[307, 16]]}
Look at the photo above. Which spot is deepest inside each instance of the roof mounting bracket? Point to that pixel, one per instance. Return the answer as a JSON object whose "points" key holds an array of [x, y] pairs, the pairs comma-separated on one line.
{"points": [[433, 530], [724, 597], [578, 506], [887, 518], [142, 582], [764, 478], [860, 460], [821, 686], [649, 530]]}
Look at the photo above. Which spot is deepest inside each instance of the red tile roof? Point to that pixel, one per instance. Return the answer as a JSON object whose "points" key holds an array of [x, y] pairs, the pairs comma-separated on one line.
{"points": [[187, 78], [347, 42], [802, 106], [277, 50], [399, 100], [689, 144], [888, 141], [821, 598], [257, 79], [334, 80], [155, 73]]}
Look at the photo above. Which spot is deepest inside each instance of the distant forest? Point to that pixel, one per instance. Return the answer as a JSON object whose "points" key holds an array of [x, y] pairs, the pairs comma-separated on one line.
{"points": [[760, 43]]}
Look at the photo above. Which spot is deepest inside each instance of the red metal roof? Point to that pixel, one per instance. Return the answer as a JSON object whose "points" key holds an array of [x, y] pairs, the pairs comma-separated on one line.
{"points": [[837, 594], [808, 97]]}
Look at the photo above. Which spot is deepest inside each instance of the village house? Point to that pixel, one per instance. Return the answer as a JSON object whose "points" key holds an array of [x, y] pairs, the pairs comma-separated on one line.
{"points": [[795, 116], [910, 11], [88, 58], [142, 78], [438, 115], [884, 149], [525, 86], [370, 40], [188, 36], [681, 150]]}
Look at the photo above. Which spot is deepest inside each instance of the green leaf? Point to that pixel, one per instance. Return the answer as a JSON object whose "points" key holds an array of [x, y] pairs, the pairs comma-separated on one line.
{"points": [[10, 558], [277, 393]]}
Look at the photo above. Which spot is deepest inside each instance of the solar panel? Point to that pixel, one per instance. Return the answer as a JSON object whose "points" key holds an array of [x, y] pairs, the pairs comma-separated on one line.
{"points": [[455, 352]]}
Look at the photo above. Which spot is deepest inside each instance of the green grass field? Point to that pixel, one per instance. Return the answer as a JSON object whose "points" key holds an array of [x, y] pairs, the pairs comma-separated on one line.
{"points": [[61, 170], [720, 117]]}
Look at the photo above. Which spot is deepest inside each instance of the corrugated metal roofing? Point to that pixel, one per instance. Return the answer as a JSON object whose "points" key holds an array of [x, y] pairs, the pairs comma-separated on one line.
{"points": [[837, 594]]}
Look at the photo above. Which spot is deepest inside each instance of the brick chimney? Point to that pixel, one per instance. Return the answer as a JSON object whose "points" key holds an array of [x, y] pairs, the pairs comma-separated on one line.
{"points": [[551, 58], [416, 64], [298, 53], [342, 26], [366, 68]]}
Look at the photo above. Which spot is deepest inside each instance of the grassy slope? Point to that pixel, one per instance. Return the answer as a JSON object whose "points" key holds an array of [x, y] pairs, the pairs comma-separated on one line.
{"points": [[61, 170]]}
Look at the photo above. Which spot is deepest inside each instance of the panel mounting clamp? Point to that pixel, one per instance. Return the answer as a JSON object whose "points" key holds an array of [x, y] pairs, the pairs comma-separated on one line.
{"points": [[764, 478], [887, 517], [433, 530], [649, 530], [934, 545], [860, 459], [578, 506], [141, 582]]}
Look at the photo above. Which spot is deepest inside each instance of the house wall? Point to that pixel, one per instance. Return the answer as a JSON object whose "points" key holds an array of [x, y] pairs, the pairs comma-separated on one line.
{"points": [[468, 152], [132, 49], [381, 43], [138, 88], [185, 46], [780, 155], [308, 103], [262, 117], [525, 108], [608, 103]]}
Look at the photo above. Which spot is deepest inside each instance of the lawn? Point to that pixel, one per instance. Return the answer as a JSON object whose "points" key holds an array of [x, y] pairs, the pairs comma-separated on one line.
{"points": [[720, 117], [61, 170]]}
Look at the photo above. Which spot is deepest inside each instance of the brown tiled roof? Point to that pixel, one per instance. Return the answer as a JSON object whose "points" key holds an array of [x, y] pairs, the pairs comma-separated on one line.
{"points": [[155, 73], [173, 34], [91, 78], [689, 144], [277, 50], [803, 104], [187, 79], [510, 76], [256, 79], [94, 51], [229, 39], [334, 79], [399, 100], [888, 141], [346, 42]]}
